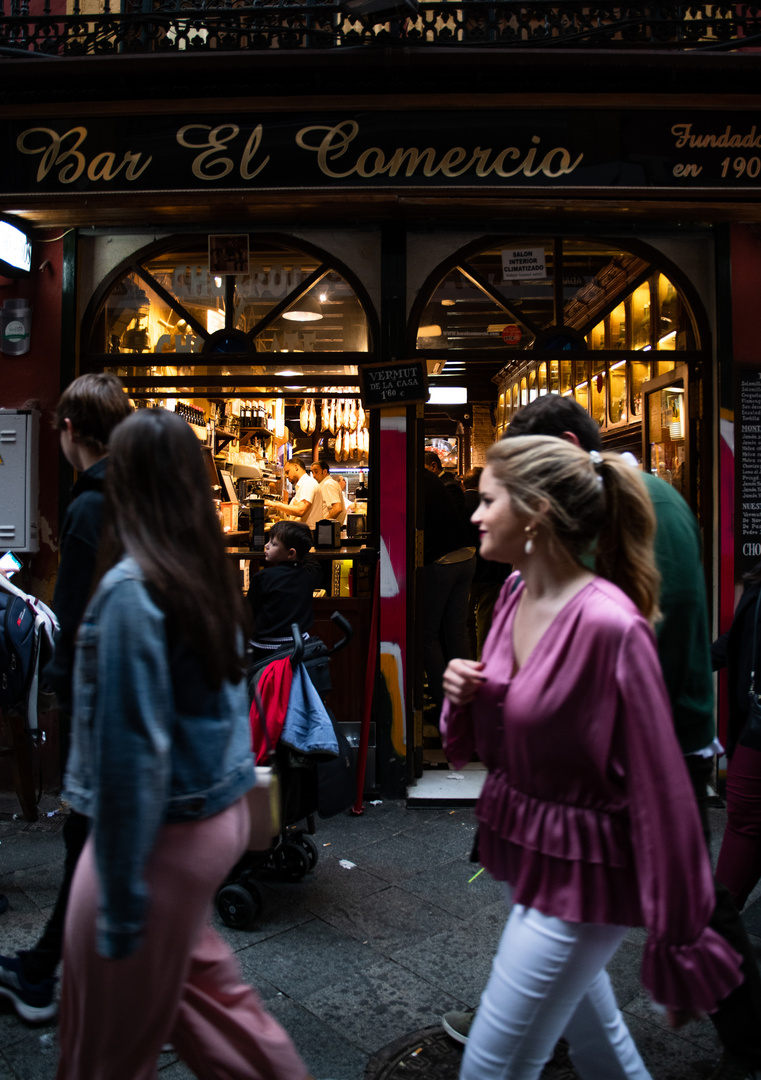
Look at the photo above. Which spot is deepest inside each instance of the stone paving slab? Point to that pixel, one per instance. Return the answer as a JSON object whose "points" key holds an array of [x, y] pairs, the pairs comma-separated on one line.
{"points": [[354, 960]]}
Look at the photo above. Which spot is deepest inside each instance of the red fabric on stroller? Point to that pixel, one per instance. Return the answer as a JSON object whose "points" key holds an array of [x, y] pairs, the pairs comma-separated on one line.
{"points": [[274, 690]]}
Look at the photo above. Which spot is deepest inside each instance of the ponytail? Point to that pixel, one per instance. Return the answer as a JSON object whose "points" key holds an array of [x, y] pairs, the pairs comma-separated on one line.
{"points": [[624, 550], [594, 506]]}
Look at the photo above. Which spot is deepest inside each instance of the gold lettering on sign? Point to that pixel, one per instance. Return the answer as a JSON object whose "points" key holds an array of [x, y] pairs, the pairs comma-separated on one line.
{"points": [[334, 142], [63, 152], [252, 146], [208, 167], [205, 165], [684, 137]]}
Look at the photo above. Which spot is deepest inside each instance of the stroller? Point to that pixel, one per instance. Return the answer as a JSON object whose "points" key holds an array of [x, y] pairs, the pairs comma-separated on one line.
{"points": [[306, 788]]}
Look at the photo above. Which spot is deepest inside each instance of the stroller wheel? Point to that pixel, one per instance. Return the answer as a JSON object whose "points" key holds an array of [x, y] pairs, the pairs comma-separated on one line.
{"points": [[309, 846], [294, 861], [237, 906]]}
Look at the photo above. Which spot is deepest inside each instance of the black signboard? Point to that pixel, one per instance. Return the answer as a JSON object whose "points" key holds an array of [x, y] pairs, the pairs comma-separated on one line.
{"points": [[386, 385], [673, 150], [747, 468]]}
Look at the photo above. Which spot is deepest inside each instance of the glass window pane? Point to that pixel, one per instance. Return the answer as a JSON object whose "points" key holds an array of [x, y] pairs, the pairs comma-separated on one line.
{"points": [[524, 391], [618, 338], [542, 379], [638, 373], [598, 277], [529, 298], [596, 336], [662, 366], [193, 304], [581, 382], [669, 321], [667, 441], [554, 377], [532, 394], [640, 316], [597, 397], [617, 389], [566, 376]]}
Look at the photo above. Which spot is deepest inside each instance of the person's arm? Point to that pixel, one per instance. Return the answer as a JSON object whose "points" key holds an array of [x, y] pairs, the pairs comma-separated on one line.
{"points": [[76, 568], [335, 510], [295, 508], [686, 965], [133, 721]]}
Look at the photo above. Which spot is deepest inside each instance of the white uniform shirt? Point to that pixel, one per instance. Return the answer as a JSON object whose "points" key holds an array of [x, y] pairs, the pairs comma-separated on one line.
{"points": [[329, 493], [307, 490]]}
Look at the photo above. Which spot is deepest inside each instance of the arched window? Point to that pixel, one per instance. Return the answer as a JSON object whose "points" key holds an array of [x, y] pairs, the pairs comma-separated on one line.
{"points": [[229, 307], [613, 316]]}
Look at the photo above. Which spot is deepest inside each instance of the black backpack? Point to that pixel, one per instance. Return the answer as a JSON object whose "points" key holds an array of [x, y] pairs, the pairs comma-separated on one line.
{"points": [[18, 648]]}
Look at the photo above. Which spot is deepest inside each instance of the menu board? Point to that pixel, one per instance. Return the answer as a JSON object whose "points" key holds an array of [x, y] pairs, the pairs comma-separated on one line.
{"points": [[747, 468], [386, 385]]}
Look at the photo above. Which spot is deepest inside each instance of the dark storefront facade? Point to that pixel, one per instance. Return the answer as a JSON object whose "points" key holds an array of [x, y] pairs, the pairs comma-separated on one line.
{"points": [[507, 221]]}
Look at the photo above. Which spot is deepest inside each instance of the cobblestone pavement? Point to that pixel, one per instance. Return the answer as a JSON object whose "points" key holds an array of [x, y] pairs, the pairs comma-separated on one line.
{"points": [[359, 959]]}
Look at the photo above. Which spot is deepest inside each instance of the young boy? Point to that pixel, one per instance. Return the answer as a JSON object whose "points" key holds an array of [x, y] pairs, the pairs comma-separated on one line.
{"points": [[281, 593]]}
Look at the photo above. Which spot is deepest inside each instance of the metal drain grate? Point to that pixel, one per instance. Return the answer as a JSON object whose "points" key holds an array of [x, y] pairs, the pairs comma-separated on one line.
{"points": [[46, 824], [428, 1053]]}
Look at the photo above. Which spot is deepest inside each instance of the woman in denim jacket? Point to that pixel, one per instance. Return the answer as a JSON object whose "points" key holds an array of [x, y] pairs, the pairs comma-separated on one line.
{"points": [[160, 763]]}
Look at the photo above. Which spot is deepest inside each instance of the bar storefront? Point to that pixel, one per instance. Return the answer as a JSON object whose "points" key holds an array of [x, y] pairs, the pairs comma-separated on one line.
{"points": [[244, 262]]}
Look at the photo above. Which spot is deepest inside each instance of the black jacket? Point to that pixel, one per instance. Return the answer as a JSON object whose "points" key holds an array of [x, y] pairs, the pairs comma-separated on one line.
{"points": [[80, 536], [282, 594], [445, 528], [734, 650]]}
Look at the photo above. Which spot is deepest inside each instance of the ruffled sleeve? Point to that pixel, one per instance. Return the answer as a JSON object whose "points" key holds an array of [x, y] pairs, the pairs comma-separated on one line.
{"points": [[457, 734], [686, 965]]}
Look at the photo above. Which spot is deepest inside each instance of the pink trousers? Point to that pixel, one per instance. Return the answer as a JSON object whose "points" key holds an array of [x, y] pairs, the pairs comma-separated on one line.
{"points": [[182, 985]]}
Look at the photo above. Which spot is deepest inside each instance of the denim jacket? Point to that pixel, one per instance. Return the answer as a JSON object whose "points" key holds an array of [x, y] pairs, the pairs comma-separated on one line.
{"points": [[151, 744]]}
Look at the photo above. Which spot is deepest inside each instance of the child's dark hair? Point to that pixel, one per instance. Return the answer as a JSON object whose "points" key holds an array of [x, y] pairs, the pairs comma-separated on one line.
{"points": [[292, 534], [95, 404]]}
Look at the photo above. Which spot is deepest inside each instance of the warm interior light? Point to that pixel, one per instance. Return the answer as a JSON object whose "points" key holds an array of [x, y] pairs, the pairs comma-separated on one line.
{"points": [[279, 418], [448, 395], [447, 303], [429, 331], [307, 309]]}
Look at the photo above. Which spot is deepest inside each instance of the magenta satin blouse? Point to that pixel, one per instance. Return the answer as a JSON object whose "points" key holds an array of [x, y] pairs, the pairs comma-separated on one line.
{"points": [[587, 810]]}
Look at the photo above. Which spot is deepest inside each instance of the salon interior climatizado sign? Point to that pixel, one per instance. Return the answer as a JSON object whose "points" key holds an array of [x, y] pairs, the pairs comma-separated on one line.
{"points": [[579, 149]]}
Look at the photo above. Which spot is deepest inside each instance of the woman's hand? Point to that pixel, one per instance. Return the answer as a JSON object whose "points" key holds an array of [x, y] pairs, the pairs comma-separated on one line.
{"points": [[462, 680]]}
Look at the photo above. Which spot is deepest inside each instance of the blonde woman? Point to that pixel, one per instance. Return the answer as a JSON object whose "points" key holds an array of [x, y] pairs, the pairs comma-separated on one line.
{"points": [[587, 814]]}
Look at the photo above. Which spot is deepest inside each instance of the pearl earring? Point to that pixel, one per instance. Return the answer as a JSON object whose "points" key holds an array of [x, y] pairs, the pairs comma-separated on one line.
{"points": [[530, 532]]}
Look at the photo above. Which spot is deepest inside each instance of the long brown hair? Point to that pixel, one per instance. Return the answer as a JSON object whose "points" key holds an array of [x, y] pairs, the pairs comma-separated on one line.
{"points": [[159, 509], [593, 506]]}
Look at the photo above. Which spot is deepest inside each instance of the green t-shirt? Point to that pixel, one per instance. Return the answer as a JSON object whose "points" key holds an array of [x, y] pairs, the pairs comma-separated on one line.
{"points": [[684, 644]]}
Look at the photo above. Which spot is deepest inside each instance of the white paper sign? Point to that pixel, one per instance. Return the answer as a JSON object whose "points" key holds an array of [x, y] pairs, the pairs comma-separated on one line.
{"points": [[523, 264]]}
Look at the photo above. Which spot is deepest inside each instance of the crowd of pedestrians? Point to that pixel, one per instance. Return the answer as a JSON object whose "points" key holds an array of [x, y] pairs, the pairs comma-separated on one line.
{"points": [[566, 644]]}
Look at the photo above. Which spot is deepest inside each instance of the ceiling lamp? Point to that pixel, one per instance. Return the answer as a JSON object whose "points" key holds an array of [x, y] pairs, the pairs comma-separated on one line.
{"points": [[307, 309]]}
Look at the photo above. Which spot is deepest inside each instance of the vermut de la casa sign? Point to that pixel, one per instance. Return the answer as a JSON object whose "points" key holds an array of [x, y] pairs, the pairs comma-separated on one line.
{"points": [[570, 149]]}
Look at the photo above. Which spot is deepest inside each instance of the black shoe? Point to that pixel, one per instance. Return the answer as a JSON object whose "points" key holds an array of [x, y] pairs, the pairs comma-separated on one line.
{"points": [[32, 1001]]}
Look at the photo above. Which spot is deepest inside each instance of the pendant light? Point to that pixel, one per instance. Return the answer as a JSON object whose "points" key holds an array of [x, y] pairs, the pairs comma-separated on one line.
{"points": [[307, 309]]}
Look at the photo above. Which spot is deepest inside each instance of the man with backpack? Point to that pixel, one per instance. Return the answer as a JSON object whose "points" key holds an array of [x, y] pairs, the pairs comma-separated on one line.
{"points": [[88, 411]]}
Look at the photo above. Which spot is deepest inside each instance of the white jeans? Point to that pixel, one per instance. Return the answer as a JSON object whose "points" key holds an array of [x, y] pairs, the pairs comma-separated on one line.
{"points": [[548, 979]]}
